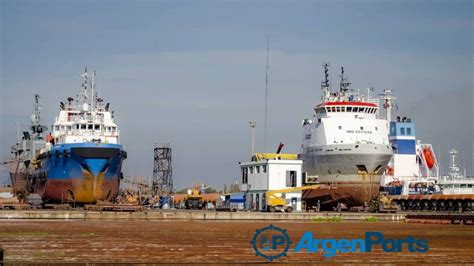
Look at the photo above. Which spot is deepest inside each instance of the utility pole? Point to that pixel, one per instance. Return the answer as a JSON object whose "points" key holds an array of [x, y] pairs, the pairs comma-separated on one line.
{"points": [[253, 125], [266, 94]]}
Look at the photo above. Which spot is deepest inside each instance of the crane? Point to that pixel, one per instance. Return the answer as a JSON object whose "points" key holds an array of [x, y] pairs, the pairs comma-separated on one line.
{"points": [[275, 202]]}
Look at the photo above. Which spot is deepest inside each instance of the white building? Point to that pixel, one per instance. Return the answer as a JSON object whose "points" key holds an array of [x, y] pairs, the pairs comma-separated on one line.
{"points": [[271, 173]]}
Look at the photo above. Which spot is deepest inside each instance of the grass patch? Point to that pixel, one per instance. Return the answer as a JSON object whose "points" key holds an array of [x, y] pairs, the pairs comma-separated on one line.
{"points": [[333, 219], [370, 219]]}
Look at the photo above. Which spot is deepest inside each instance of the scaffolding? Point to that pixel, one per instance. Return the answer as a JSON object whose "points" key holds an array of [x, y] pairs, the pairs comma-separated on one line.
{"points": [[162, 171]]}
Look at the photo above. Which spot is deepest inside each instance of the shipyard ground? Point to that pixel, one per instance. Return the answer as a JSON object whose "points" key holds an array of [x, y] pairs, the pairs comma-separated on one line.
{"points": [[212, 241]]}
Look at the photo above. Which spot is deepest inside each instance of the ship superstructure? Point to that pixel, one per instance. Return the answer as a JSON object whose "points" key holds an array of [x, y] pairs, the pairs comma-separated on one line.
{"points": [[345, 144]]}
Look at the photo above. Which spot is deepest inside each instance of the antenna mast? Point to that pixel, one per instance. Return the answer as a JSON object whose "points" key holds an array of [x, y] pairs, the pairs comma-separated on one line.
{"points": [[325, 84], [92, 91], [266, 94], [344, 85]]}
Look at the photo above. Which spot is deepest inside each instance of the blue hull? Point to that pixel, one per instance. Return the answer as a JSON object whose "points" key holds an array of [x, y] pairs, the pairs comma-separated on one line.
{"points": [[80, 172]]}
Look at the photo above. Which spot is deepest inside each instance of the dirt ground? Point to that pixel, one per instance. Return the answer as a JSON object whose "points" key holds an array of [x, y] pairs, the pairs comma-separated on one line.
{"points": [[213, 242]]}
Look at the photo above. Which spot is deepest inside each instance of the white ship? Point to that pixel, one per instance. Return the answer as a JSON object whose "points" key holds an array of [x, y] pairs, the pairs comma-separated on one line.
{"points": [[456, 183], [346, 144]]}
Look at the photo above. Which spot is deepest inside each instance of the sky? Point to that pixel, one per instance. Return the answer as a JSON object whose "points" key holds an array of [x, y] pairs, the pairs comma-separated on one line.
{"points": [[192, 73]]}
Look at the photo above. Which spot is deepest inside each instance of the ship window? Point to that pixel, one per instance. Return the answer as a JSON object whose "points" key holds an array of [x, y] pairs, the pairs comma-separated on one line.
{"points": [[340, 127], [90, 126], [402, 131], [264, 168], [113, 129], [83, 126], [463, 185], [343, 109], [349, 109], [251, 169], [361, 128], [257, 169], [408, 131], [338, 109], [469, 185], [57, 128], [361, 109], [68, 128], [76, 126], [96, 127], [333, 109], [376, 128], [62, 128], [328, 109]]}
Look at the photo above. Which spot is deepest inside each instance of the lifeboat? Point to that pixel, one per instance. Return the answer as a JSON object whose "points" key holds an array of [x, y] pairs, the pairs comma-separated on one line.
{"points": [[429, 157]]}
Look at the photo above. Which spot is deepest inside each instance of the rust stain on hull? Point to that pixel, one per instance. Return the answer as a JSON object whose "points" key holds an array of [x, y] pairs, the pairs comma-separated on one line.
{"points": [[88, 189]]}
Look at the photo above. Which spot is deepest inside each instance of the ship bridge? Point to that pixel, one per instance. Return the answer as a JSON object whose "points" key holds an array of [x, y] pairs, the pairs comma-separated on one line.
{"points": [[328, 109]]}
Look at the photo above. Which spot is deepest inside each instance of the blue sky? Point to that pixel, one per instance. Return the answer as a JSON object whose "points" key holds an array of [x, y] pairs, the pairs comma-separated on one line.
{"points": [[192, 73]]}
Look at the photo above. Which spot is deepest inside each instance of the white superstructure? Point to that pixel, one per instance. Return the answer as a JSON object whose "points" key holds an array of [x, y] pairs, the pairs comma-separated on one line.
{"points": [[86, 118]]}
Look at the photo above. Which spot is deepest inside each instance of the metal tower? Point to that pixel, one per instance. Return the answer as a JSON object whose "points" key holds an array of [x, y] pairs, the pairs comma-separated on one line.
{"points": [[162, 171]]}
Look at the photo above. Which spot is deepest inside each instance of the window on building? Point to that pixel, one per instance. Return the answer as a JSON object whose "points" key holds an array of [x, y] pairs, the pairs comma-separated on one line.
{"points": [[402, 131], [291, 178], [245, 176], [264, 168], [408, 130]]}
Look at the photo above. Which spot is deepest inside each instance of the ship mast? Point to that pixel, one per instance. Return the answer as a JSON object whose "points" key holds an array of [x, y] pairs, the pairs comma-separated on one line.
{"points": [[344, 84], [388, 99], [454, 171], [325, 84], [92, 92], [84, 94]]}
